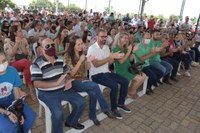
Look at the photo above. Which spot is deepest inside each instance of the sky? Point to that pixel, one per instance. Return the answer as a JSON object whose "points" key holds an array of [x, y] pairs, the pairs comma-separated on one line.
{"points": [[154, 7]]}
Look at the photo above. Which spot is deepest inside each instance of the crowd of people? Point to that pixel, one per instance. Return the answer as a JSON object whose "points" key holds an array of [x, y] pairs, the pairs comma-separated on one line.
{"points": [[65, 53]]}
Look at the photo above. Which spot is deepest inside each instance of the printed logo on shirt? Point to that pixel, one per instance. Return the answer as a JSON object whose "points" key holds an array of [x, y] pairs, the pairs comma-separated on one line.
{"points": [[5, 89]]}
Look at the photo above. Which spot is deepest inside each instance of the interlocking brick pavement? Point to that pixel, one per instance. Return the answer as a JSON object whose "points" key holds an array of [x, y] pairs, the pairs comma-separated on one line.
{"points": [[171, 109]]}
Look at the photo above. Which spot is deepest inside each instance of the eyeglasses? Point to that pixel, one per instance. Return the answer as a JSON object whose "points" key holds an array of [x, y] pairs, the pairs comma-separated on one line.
{"points": [[47, 46], [103, 36]]}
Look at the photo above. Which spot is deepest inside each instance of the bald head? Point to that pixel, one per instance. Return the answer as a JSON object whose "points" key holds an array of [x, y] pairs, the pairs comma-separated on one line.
{"points": [[46, 41]]}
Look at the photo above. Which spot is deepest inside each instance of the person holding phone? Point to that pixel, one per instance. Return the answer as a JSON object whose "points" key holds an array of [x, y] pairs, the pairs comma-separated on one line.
{"points": [[10, 83]]}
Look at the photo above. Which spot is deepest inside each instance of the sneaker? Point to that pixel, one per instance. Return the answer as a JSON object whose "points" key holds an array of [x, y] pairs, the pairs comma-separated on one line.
{"points": [[124, 108], [194, 64], [117, 114], [187, 74], [178, 74], [174, 79], [109, 114]]}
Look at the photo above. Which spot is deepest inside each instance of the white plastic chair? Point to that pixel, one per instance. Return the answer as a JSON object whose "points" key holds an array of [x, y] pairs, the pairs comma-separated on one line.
{"points": [[48, 122]]}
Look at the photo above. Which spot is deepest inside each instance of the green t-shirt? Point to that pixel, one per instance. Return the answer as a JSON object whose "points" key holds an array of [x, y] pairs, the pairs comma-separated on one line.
{"points": [[122, 69], [142, 51], [138, 36], [157, 56]]}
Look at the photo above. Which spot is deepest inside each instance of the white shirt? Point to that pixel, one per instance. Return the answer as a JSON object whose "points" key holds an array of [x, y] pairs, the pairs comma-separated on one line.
{"points": [[51, 35], [32, 32], [197, 37], [99, 54]]}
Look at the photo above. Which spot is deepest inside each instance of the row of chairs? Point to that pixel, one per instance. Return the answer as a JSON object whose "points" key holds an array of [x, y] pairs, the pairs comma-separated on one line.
{"points": [[64, 103]]}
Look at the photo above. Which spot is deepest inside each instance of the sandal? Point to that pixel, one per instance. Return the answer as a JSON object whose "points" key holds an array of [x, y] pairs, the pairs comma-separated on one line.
{"points": [[134, 96]]}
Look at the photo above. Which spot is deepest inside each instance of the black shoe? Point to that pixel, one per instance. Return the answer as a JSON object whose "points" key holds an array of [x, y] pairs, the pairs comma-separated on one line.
{"points": [[151, 90], [117, 114], [174, 79], [78, 126], [167, 82], [156, 85], [148, 92], [109, 114], [124, 108], [160, 82], [96, 122]]}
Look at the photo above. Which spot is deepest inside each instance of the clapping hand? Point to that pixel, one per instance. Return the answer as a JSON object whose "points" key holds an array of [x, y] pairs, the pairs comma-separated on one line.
{"points": [[135, 48], [91, 58]]}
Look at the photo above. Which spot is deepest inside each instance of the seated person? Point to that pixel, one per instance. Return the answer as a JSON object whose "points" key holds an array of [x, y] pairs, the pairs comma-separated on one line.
{"points": [[122, 65], [48, 74], [77, 61], [142, 55], [100, 73], [155, 61], [9, 85]]}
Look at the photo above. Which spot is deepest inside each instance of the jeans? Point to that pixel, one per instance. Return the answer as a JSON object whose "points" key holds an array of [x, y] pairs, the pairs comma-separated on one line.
{"points": [[192, 54], [163, 67], [197, 54], [53, 100], [185, 58], [175, 65], [6, 126], [111, 80], [153, 78], [94, 93]]}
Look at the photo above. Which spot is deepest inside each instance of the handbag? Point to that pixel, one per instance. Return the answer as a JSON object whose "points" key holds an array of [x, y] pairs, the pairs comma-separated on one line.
{"points": [[136, 68]]}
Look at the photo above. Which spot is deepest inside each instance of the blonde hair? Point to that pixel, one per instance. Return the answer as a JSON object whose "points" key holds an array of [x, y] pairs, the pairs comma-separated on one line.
{"points": [[117, 41]]}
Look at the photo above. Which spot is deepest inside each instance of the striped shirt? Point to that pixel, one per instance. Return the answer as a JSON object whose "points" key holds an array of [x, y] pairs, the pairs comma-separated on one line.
{"points": [[43, 70]]}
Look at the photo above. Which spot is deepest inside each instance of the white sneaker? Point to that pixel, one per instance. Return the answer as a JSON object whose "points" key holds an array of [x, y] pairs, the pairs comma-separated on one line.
{"points": [[187, 74], [178, 74], [194, 64]]}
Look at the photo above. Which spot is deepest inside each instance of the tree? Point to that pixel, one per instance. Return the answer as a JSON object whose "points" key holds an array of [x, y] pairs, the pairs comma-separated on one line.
{"points": [[143, 2], [40, 3], [109, 10], [73, 7], [3, 4]]}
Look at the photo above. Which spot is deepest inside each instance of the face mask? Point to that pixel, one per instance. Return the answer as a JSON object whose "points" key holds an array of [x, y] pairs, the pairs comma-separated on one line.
{"points": [[147, 41], [50, 52], [89, 38], [3, 66]]}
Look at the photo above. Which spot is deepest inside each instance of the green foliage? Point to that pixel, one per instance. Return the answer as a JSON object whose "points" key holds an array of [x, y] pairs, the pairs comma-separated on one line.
{"points": [[107, 10], [40, 3], [73, 7], [3, 4], [47, 3]]}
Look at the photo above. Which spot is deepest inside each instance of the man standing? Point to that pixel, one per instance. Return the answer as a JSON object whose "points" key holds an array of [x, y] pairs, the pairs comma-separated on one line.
{"points": [[100, 73], [48, 74]]}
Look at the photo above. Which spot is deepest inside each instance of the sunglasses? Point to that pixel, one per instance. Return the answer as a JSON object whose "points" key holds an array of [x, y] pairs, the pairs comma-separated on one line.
{"points": [[49, 45]]}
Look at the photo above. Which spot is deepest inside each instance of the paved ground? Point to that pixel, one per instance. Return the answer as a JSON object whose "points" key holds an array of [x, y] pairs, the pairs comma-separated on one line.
{"points": [[172, 109]]}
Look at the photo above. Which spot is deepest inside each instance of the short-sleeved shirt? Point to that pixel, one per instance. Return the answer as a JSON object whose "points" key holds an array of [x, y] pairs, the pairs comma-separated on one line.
{"points": [[122, 69], [8, 81], [142, 51], [157, 56], [81, 73], [44, 70], [138, 36], [8, 48], [33, 33], [99, 53]]}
